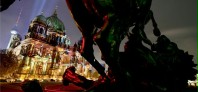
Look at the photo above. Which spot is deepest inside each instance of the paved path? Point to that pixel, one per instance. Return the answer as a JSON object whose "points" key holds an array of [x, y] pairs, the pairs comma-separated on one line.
{"points": [[62, 88], [10, 87], [47, 87]]}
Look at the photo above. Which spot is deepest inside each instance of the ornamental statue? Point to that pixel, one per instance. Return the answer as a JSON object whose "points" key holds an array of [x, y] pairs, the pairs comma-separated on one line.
{"points": [[163, 68]]}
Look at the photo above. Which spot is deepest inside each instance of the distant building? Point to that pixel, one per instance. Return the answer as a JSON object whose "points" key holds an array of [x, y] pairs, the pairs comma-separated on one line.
{"points": [[15, 37], [193, 82], [45, 52]]}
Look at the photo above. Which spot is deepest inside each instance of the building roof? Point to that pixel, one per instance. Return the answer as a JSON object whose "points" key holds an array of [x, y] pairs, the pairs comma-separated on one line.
{"points": [[54, 22], [40, 19]]}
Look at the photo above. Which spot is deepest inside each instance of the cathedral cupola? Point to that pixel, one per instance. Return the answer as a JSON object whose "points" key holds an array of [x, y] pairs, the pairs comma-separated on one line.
{"points": [[41, 19], [55, 24]]}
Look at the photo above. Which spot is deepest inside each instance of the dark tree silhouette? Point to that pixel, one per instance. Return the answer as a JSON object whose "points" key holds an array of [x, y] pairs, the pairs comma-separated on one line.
{"points": [[8, 63], [5, 4]]}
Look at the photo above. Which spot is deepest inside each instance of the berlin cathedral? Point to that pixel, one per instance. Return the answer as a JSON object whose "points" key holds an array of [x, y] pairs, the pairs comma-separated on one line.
{"points": [[45, 52]]}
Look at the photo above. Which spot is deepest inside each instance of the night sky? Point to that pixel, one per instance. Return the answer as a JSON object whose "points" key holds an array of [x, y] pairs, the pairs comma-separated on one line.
{"points": [[177, 19]]}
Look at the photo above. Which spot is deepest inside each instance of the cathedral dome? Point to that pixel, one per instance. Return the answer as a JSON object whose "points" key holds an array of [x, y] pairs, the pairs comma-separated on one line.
{"points": [[55, 23], [40, 19]]}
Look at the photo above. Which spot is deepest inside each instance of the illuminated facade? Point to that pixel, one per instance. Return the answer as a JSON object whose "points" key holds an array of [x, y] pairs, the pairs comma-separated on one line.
{"points": [[46, 52]]}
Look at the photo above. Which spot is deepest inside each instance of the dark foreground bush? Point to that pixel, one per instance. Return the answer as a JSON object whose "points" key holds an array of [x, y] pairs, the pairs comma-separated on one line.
{"points": [[31, 86]]}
